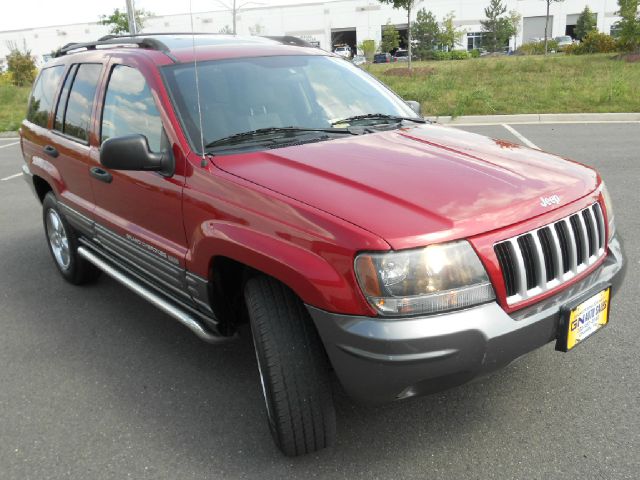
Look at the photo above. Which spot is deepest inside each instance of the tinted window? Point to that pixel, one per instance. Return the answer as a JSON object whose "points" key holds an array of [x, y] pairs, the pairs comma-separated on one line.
{"points": [[62, 101], [43, 95], [77, 117], [244, 94], [129, 108]]}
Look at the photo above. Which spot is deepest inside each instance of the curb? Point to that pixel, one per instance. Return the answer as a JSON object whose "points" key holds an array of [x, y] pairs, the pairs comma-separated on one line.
{"points": [[8, 134], [538, 118]]}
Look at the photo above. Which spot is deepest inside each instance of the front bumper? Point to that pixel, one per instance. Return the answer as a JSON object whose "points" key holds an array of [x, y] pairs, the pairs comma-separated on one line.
{"points": [[379, 360]]}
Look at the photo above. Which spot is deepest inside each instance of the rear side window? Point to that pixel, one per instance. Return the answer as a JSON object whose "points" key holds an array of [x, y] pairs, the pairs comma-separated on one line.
{"points": [[77, 115], [43, 95], [129, 108], [64, 95]]}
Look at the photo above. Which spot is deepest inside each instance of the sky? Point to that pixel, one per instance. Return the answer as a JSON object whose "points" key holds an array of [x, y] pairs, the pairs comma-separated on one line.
{"points": [[22, 14]]}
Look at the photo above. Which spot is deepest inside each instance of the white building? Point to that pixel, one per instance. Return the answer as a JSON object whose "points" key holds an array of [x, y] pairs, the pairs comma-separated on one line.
{"points": [[332, 22]]}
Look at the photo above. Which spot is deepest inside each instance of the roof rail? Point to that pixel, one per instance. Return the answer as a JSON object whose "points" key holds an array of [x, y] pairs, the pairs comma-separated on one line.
{"points": [[290, 40], [149, 43]]}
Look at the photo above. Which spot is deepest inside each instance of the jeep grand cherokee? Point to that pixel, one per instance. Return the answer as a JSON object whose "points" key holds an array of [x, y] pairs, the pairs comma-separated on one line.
{"points": [[229, 179]]}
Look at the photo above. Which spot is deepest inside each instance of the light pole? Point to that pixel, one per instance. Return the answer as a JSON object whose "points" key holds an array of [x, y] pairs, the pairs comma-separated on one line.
{"points": [[131, 13], [234, 9]]}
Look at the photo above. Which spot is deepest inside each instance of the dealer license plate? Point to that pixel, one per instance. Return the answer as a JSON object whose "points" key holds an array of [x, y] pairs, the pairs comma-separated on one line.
{"points": [[582, 320]]}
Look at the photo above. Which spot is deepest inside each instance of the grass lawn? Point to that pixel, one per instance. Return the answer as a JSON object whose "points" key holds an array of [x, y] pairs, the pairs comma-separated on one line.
{"points": [[481, 86], [515, 84], [13, 105]]}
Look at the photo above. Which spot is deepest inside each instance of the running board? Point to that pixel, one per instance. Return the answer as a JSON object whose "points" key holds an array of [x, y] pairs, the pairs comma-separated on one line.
{"points": [[180, 314]]}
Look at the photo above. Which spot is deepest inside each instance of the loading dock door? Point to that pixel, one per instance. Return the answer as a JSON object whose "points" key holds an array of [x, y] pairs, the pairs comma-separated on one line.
{"points": [[344, 36], [533, 28]]}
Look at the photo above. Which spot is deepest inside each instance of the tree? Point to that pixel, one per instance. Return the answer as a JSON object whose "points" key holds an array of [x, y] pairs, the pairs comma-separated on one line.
{"points": [[426, 32], [629, 25], [449, 36], [368, 48], [546, 24], [21, 65], [514, 19], [497, 28], [586, 23], [408, 6], [226, 30], [119, 21], [390, 38]]}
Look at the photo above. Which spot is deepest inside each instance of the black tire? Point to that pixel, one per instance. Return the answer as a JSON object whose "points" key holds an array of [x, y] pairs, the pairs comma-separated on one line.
{"points": [[294, 370], [73, 268]]}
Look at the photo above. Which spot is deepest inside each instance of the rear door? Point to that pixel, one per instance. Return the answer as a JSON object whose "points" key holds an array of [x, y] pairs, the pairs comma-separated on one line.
{"points": [[71, 135], [139, 214]]}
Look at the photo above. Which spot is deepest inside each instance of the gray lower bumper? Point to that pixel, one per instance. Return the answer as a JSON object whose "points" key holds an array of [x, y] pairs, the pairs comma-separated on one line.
{"points": [[381, 360]]}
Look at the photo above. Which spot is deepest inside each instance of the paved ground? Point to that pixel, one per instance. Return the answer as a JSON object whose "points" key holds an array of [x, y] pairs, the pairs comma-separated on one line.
{"points": [[95, 383]]}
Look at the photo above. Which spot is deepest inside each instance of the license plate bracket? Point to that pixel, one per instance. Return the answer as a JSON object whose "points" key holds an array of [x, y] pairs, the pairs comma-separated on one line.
{"points": [[583, 318]]}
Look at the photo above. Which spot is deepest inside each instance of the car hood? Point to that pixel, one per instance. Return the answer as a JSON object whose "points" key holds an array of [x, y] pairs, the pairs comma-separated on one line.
{"points": [[419, 185]]}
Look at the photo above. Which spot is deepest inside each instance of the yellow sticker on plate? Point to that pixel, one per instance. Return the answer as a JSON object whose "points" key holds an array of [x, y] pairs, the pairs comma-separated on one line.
{"points": [[588, 317]]}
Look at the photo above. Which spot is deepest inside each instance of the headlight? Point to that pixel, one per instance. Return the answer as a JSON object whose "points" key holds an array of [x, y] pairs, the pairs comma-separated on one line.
{"points": [[433, 279], [608, 206]]}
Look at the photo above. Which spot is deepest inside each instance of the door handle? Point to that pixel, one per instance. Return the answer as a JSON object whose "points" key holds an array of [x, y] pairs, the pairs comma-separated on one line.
{"points": [[51, 151], [100, 174]]}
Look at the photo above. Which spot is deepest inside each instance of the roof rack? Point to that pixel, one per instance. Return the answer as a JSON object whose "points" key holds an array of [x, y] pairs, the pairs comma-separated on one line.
{"points": [[290, 40], [149, 43]]}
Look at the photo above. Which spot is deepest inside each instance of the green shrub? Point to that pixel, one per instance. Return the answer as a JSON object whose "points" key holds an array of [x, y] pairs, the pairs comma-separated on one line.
{"points": [[459, 55], [594, 42], [22, 67], [475, 53], [537, 48]]}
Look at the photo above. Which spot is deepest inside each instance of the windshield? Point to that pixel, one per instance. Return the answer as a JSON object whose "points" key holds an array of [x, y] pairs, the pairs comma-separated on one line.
{"points": [[245, 94]]}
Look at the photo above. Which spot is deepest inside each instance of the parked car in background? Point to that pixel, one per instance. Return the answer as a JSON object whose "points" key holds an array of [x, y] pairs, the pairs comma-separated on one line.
{"points": [[359, 60], [343, 51], [401, 55], [382, 58], [563, 42]]}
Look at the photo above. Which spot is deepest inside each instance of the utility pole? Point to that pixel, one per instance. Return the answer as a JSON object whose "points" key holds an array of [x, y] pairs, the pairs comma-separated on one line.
{"points": [[131, 13]]}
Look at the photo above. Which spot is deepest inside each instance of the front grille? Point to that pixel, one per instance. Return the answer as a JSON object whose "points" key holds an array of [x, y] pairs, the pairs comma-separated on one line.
{"points": [[542, 259]]}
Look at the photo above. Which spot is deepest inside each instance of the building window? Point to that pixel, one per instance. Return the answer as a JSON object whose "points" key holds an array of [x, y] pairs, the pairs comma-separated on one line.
{"points": [[474, 40]]}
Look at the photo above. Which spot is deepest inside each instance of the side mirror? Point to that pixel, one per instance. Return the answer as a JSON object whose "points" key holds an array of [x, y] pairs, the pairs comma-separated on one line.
{"points": [[131, 152], [415, 106]]}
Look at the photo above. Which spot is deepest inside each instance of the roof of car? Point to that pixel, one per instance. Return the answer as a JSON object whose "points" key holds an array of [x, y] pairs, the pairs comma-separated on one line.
{"points": [[184, 47]]}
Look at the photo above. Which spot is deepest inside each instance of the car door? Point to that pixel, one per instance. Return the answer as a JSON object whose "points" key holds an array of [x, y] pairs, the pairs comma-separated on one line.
{"points": [[71, 132], [139, 214], [62, 158]]}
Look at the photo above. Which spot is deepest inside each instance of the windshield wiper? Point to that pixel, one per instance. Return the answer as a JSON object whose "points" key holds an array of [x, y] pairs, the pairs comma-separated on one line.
{"points": [[379, 116], [252, 134]]}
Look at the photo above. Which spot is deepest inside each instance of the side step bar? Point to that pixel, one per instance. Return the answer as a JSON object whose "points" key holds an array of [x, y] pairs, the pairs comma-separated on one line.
{"points": [[184, 317]]}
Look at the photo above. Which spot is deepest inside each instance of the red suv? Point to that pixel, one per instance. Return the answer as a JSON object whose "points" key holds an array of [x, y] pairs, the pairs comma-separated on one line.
{"points": [[229, 179]]}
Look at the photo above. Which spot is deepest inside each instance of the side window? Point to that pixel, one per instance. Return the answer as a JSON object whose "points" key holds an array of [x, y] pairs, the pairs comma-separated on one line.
{"points": [[77, 115], [129, 108], [43, 95], [62, 101]]}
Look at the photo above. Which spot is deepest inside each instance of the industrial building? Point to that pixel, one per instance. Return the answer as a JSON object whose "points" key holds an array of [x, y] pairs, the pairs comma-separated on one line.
{"points": [[329, 23]]}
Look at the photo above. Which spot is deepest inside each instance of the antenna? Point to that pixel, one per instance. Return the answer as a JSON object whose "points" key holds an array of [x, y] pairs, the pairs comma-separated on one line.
{"points": [[203, 162]]}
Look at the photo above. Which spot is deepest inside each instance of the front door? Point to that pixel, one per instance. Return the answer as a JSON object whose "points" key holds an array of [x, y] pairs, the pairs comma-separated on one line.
{"points": [[139, 214]]}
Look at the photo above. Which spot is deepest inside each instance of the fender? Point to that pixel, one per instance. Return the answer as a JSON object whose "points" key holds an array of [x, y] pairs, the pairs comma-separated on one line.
{"points": [[329, 286]]}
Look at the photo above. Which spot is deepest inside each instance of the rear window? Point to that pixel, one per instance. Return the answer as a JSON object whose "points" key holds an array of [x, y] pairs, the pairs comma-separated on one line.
{"points": [[43, 95]]}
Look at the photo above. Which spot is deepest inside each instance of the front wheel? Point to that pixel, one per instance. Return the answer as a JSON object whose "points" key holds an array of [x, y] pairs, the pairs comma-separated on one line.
{"points": [[293, 367], [63, 245]]}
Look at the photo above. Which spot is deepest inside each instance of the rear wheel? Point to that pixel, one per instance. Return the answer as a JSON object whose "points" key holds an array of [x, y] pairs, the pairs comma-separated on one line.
{"points": [[293, 367], [63, 245]]}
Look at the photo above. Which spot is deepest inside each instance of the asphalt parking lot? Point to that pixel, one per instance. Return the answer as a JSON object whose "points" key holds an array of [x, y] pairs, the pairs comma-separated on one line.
{"points": [[96, 383]]}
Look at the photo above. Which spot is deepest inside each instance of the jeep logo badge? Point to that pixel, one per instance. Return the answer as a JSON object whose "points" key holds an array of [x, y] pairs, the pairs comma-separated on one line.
{"points": [[548, 201]]}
